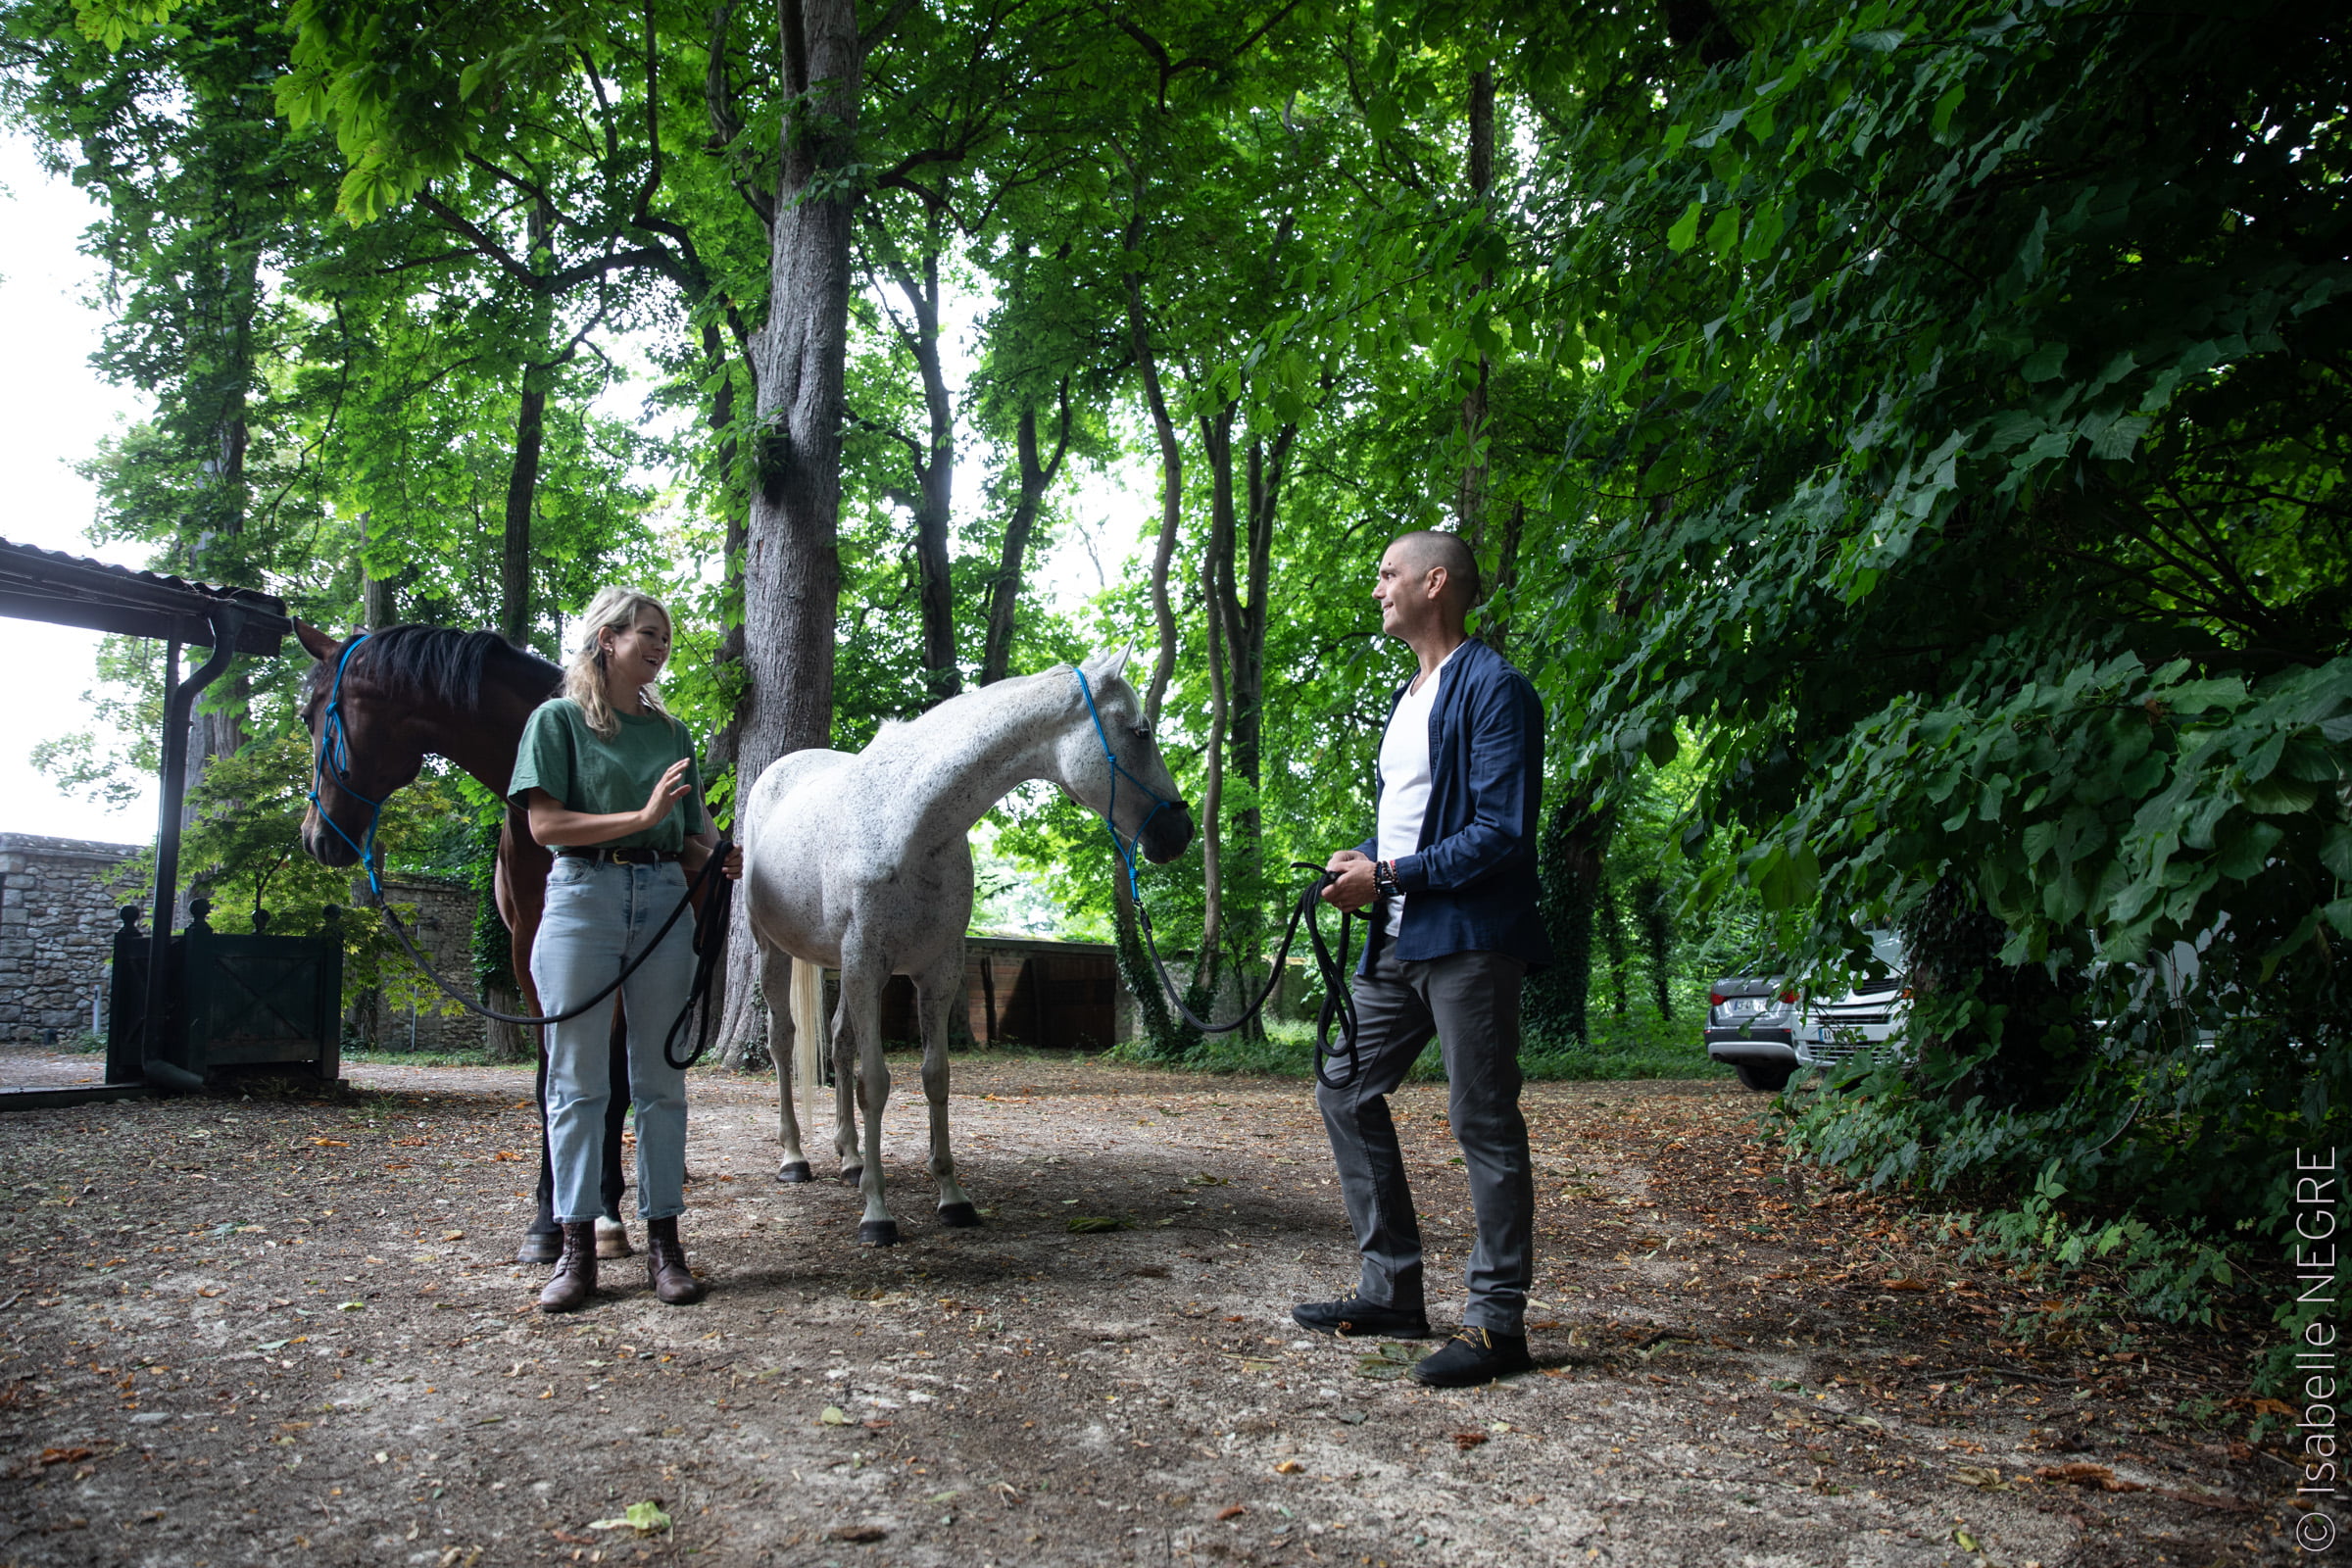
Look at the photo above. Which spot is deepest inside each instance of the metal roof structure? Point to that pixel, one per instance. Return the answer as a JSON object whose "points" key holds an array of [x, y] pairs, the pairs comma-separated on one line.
{"points": [[63, 590]]}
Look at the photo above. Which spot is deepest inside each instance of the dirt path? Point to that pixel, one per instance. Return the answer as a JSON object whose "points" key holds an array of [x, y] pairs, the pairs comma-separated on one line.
{"points": [[239, 1330]]}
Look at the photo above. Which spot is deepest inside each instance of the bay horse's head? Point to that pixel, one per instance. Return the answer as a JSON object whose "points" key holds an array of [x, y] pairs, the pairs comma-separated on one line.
{"points": [[359, 750], [1130, 787]]}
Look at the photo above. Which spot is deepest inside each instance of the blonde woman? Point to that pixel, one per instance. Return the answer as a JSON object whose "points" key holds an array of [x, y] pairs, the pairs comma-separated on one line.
{"points": [[609, 783]]}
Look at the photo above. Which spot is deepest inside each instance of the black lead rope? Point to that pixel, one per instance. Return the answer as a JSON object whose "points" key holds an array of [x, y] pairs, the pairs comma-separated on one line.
{"points": [[709, 951], [1338, 1003], [708, 941]]}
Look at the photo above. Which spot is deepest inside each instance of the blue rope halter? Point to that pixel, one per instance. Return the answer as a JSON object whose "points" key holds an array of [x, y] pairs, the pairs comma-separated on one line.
{"points": [[1110, 815], [334, 737]]}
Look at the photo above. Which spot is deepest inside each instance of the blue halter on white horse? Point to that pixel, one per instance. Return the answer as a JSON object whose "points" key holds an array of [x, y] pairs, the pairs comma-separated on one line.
{"points": [[862, 864]]}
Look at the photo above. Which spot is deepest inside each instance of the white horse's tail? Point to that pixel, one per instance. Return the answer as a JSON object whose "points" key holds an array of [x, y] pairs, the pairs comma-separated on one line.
{"points": [[809, 1035]]}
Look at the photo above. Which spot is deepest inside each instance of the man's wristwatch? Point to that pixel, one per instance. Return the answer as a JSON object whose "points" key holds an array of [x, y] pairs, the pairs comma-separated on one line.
{"points": [[1384, 878]]}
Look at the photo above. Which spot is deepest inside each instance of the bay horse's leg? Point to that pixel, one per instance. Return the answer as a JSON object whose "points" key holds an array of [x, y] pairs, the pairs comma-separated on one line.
{"points": [[521, 897], [935, 991], [858, 1060], [612, 1233], [775, 983], [544, 1240]]}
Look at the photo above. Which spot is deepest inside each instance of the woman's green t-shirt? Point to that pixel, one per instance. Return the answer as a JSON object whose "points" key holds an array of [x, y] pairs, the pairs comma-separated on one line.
{"points": [[561, 755]]}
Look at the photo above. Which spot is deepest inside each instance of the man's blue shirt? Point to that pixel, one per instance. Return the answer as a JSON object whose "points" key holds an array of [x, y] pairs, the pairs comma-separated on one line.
{"points": [[1470, 885]]}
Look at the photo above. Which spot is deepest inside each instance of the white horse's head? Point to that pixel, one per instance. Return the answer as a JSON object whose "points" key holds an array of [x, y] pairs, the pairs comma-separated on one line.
{"points": [[1137, 796]]}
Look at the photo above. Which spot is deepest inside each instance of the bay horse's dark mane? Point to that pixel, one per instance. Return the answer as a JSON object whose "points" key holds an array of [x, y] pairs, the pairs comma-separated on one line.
{"points": [[446, 664]]}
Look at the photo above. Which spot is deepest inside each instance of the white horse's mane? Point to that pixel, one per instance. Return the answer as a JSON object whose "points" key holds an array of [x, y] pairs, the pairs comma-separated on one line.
{"points": [[925, 730]]}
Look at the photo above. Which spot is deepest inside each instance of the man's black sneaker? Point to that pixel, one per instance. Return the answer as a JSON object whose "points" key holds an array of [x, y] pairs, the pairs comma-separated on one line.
{"points": [[1353, 1317], [1474, 1357]]}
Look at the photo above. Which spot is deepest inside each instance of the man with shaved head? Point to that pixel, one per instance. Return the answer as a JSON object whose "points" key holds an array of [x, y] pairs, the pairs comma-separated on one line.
{"points": [[1450, 874]]}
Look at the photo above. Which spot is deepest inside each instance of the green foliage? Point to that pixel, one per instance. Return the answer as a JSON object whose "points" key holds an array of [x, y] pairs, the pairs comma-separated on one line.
{"points": [[1907, 441], [1965, 452]]}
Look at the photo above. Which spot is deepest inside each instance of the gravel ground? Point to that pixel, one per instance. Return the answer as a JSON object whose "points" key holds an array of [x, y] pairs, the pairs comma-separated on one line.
{"points": [[285, 1330]]}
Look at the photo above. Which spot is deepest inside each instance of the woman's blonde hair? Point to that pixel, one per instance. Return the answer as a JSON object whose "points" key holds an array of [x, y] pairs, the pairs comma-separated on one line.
{"points": [[614, 608]]}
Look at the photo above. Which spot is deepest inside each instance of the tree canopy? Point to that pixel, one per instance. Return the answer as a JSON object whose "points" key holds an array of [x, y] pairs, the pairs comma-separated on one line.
{"points": [[1905, 443]]}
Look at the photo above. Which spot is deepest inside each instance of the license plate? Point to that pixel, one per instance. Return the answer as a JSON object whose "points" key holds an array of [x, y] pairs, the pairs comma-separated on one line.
{"points": [[1820, 1037], [1741, 1006]]}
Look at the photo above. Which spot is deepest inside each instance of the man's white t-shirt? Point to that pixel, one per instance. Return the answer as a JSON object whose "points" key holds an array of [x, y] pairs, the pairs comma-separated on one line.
{"points": [[1404, 779]]}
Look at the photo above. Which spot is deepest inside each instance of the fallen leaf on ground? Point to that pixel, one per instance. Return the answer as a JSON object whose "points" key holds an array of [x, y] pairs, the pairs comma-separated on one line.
{"points": [[1234, 1512], [1969, 1475], [861, 1534], [1289, 1467], [1085, 1224], [645, 1518], [1466, 1440], [832, 1416], [64, 1455], [2084, 1474]]}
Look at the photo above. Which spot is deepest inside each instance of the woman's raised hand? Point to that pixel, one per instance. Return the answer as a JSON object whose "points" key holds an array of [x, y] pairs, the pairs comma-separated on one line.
{"points": [[666, 794]]}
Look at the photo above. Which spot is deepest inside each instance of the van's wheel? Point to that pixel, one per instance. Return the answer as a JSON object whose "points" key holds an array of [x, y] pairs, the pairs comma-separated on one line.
{"points": [[1768, 1077]]}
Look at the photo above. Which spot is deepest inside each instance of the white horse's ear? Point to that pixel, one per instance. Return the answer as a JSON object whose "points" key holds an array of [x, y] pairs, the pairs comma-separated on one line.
{"points": [[1109, 664]]}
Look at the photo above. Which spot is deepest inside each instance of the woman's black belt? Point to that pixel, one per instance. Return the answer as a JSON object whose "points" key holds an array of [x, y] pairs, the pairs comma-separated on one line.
{"points": [[625, 856]]}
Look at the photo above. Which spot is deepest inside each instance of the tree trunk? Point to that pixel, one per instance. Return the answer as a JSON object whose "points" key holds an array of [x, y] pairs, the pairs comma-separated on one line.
{"points": [[1495, 629], [1220, 616], [1165, 1036], [1611, 923], [522, 478], [741, 1038], [1470, 487], [1658, 939], [1172, 473], [522, 487], [933, 460], [379, 604], [792, 566], [1575, 846], [1036, 478]]}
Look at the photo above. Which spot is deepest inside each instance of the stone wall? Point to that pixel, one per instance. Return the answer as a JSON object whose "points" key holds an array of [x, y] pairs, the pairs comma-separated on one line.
{"points": [[58, 898], [58, 903], [409, 1007]]}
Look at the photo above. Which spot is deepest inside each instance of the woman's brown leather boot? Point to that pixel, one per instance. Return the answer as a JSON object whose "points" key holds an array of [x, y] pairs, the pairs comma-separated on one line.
{"points": [[574, 1280], [666, 1264]]}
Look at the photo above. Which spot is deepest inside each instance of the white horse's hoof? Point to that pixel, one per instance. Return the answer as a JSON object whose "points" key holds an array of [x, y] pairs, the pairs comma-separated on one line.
{"points": [[793, 1172], [959, 1216], [613, 1239], [878, 1233], [851, 1175]]}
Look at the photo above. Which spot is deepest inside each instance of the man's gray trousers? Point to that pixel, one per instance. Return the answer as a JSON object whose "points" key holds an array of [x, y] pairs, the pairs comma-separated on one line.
{"points": [[1470, 1001]]}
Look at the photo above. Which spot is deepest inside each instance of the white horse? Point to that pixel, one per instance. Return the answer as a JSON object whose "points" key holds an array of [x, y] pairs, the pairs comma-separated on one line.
{"points": [[862, 864]]}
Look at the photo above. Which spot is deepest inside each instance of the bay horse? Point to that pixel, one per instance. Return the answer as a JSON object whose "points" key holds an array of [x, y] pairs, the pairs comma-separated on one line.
{"points": [[410, 691], [862, 864]]}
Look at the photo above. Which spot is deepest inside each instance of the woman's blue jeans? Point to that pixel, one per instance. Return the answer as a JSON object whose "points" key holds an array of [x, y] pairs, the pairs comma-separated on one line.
{"points": [[599, 916]]}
